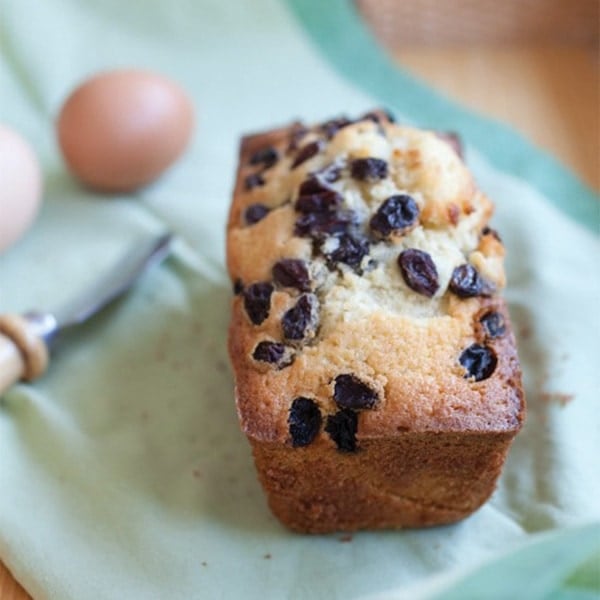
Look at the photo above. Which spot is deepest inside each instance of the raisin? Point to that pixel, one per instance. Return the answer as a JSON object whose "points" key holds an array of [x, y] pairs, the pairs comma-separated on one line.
{"points": [[479, 361], [419, 272], [493, 323], [351, 392], [466, 282], [371, 116], [396, 215], [301, 321], [318, 225], [342, 427], [270, 352], [369, 169], [453, 140], [254, 180], [489, 231], [304, 421], [331, 127], [238, 287], [312, 185], [274, 353], [255, 213], [292, 272], [377, 116], [266, 156], [307, 152], [324, 201], [257, 301], [381, 115], [351, 249]]}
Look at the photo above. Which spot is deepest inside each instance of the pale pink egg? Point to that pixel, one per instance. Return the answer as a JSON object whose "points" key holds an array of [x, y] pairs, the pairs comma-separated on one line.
{"points": [[20, 186]]}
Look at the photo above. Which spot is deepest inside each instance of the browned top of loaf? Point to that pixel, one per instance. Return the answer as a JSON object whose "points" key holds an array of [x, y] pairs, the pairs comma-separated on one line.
{"points": [[403, 344]]}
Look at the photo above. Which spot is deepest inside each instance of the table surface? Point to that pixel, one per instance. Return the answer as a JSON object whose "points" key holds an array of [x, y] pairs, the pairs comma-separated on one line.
{"points": [[550, 94]]}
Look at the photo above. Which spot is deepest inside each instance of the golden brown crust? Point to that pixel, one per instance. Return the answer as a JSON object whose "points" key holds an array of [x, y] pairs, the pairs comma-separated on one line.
{"points": [[404, 346], [409, 480]]}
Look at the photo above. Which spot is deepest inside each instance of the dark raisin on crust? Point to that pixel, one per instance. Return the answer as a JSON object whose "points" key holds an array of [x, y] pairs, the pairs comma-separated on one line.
{"points": [[466, 282], [378, 115], [342, 427], [307, 152], [351, 392], [238, 287], [274, 353], [325, 200], [371, 116], [317, 225], [301, 321], [271, 352], [257, 301], [312, 185], [351, 249], [479, 361], [489, 231], [304, 421], [255, 213], [266, 157], [419, 271], [292, 272], [321, 213], [331, 127], [369, 169], [396, 215], [493, 324], [254, 180]]}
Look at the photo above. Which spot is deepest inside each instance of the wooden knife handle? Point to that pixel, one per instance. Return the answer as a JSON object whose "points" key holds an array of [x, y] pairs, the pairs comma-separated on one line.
{"points": [[23, 354]]}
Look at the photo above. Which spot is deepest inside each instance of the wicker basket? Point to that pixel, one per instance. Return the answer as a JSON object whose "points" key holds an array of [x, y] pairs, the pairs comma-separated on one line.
{"points": [[399, 23]]}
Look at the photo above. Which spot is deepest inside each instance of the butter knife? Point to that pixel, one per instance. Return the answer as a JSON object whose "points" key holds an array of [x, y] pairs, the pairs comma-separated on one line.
{"points": [[26, 340]]}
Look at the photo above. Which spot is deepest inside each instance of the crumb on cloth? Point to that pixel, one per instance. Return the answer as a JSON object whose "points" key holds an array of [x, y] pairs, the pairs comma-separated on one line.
{"points": [[558, 397]]}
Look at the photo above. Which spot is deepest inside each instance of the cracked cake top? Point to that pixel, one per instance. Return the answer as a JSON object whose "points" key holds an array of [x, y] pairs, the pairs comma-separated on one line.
{"points": [[366, 284]]}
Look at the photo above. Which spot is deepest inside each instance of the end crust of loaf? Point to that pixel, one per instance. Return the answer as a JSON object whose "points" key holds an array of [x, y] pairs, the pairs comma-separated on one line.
{"points": [[410, 480]]}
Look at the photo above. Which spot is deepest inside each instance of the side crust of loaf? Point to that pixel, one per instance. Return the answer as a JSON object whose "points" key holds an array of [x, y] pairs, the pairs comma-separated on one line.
{"points": [[431, 449], [410, 480]]}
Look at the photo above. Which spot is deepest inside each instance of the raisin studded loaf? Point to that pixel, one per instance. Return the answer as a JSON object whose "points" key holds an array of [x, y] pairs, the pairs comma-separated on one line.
{"points": [[376, 372]]}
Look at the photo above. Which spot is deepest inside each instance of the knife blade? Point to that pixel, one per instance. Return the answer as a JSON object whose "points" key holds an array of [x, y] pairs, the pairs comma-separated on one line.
{"points": [[26, 340]]}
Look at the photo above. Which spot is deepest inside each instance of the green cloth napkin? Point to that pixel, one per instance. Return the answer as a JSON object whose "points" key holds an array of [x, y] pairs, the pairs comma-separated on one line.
{"points": [[123, 471]]}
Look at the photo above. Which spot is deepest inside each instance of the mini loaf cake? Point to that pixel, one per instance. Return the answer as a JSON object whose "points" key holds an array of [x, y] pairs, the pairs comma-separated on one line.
{"points": [[376, 372]]}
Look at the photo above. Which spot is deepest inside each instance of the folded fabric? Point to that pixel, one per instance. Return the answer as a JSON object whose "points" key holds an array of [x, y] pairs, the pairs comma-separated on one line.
{"points": [[124, 473]]}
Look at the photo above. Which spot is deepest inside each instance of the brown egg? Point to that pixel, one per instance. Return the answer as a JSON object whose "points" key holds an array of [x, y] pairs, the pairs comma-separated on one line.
{"points": [[20, 186], [121, 129]]}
